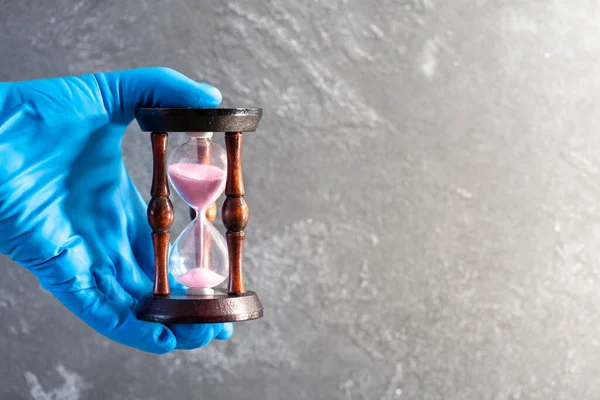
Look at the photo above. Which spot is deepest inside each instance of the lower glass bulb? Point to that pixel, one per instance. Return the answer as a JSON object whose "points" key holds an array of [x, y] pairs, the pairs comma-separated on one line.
{"points": [[199, 256]]}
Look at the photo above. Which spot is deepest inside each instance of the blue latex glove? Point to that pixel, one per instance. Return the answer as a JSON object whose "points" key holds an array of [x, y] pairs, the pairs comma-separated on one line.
{"points": [[69, 211]]}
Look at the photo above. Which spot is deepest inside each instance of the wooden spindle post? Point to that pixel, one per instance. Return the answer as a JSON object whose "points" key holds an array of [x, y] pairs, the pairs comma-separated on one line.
{"points": [[235, 212], [160, 213], [211, 213], [203, 154]]}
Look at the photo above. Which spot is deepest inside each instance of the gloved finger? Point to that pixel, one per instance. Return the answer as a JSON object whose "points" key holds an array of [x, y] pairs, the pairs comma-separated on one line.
{"points": [[68, 270], [117, 322], [130, 275], [134, 280], [143, 255], [124, 91], [226, 332], [140, 253], [108, 284], [194, 336], [140, 237], [68, 276]]}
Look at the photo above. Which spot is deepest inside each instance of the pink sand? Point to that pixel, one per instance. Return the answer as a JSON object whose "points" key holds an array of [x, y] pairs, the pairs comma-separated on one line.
{"points": [[200, 278], [198, 184]]}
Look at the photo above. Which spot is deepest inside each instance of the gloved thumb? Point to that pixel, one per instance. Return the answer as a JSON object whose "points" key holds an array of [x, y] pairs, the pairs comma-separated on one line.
{"points": [[124, 91]]}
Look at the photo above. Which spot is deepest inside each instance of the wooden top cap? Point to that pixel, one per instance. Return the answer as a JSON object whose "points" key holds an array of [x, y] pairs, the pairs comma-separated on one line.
{"points": [[198, 119]]}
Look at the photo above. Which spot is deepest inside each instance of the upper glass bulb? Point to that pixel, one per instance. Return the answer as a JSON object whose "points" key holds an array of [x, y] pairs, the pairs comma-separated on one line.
{"points": [[197, 171]]}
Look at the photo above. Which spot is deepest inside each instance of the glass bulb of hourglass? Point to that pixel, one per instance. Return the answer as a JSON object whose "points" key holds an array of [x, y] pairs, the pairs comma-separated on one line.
{"points": [[197, 172]]}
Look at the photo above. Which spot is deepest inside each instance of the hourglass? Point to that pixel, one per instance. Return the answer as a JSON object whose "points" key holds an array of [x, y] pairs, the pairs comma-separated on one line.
{"points": [[200, 259]]}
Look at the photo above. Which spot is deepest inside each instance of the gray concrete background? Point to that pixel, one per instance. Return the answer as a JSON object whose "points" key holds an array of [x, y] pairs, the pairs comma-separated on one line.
{"points": [[424, 198]]}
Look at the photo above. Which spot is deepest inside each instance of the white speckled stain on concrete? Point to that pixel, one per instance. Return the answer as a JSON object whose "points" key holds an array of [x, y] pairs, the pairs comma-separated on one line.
{"points": [[71, 388], [429, 58]]}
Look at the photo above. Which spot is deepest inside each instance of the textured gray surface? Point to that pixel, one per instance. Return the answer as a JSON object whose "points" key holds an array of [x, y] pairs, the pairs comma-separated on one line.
{"points": [[423, 193]]}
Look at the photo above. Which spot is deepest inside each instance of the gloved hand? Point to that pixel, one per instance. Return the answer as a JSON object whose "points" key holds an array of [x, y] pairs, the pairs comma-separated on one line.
{"points": [[69, 211]]}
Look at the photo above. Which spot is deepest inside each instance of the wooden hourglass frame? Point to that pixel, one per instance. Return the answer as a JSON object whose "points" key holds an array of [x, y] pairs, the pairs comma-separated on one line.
{"points": [[178, 306]]}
